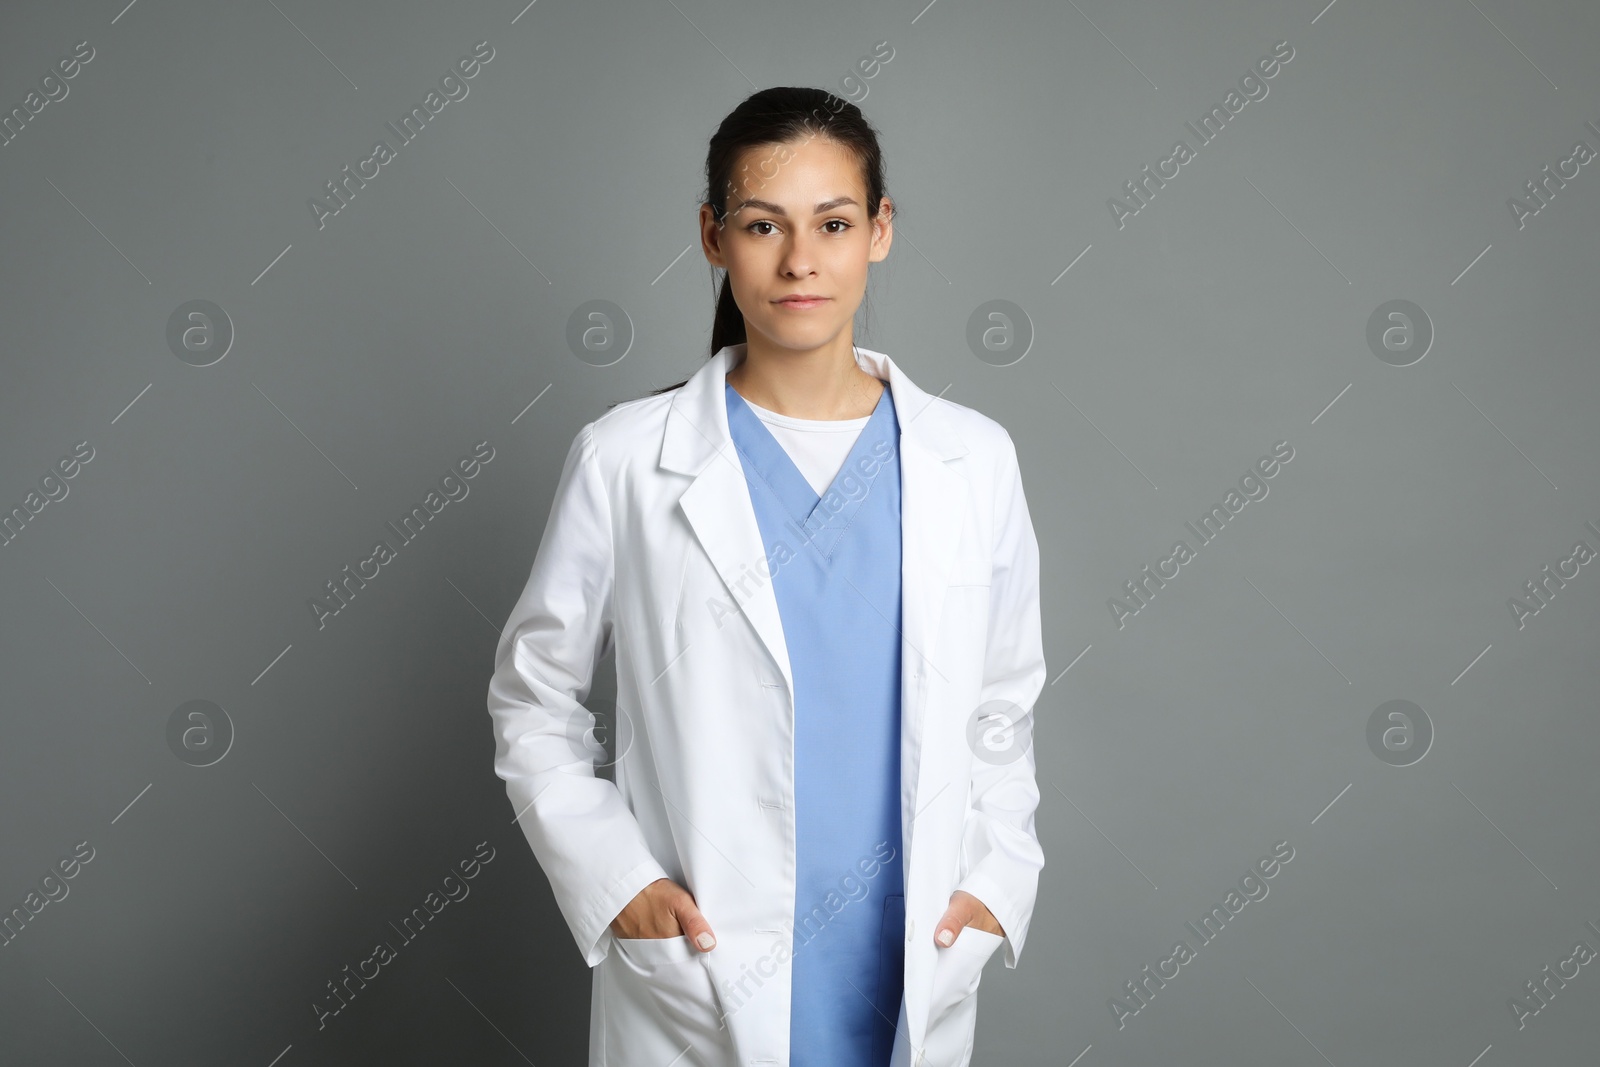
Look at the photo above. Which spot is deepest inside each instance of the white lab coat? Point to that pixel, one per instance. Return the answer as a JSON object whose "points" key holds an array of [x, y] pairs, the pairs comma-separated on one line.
{"points": [[653, 549]]}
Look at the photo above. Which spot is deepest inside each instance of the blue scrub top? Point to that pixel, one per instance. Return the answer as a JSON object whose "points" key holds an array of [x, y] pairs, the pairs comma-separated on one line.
{"points": [[836, 576]]}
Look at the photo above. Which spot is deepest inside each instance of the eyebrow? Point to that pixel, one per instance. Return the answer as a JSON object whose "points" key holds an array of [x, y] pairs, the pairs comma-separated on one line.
{"points": [[775, 209]]}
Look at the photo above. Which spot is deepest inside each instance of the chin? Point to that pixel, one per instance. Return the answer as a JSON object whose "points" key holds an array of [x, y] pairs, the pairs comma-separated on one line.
{"points": [[803, 335]]}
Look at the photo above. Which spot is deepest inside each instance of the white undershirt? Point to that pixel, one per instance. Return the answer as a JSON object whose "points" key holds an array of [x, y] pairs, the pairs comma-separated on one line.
{"points": [[817, 446]]}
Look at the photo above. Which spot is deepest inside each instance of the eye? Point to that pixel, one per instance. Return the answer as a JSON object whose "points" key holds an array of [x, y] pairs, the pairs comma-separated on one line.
{"points": [[843, 225]]}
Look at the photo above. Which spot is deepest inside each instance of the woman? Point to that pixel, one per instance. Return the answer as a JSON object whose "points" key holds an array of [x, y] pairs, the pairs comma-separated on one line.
{"points": [[821, 586]]}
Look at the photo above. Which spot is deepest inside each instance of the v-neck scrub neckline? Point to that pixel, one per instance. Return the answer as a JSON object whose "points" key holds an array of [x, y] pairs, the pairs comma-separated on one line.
{"points": [[823, 517], [818, 447]]}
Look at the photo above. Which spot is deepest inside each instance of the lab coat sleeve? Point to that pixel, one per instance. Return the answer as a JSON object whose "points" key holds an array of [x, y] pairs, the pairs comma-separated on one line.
{"points": [[582, 832], [1001, 856]]}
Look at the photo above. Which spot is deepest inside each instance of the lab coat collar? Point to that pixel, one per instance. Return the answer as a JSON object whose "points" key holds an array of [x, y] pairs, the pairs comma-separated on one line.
{"points": [[697, 427]]}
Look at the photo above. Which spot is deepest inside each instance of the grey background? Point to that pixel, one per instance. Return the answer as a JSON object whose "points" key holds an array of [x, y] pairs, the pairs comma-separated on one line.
{"points": [[1229, 314]]}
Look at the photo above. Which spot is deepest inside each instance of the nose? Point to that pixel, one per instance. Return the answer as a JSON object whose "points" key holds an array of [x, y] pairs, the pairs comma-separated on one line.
{"points": [[798, 256]]}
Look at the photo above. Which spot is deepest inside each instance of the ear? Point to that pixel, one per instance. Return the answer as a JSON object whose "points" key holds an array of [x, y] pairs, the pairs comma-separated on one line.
{"points": [[882, 231], [711, 236]]}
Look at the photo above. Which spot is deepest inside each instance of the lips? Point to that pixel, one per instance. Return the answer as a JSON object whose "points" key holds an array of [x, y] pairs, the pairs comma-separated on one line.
{"points": [[802, 300]]}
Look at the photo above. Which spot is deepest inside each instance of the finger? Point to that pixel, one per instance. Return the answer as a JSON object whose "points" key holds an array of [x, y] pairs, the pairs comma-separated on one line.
{"points": [[950, 926], [695, 926]]}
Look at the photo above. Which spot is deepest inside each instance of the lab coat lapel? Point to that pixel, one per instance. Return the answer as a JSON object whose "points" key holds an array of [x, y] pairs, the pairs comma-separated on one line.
{"points": [[933, 500], [717, 503]]}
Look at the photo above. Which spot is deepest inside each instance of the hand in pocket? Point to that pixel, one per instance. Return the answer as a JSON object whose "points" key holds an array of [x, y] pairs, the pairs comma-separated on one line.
{"points": [[966, 910], [664, 909]]}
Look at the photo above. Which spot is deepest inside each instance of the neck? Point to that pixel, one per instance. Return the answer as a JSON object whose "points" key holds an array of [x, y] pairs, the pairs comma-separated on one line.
{"points": [[819, 383]]}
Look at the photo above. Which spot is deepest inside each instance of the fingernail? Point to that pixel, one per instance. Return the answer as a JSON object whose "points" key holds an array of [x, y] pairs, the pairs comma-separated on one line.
{"points": [[947, 938], [705, 941]]}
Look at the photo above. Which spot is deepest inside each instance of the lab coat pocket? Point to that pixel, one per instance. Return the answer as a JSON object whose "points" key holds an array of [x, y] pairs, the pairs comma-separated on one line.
{"points": [[953, 1005], [662, 1004]]}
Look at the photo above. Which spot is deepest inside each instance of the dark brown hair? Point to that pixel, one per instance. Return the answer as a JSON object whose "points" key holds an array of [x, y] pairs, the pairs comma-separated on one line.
{"points": [[772, 117]]}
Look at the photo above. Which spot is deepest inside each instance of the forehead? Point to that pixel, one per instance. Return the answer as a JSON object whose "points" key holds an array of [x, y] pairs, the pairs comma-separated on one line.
{"points": [[797, 174]]}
